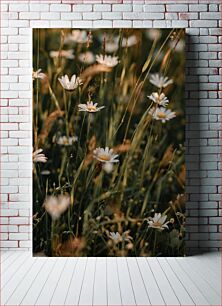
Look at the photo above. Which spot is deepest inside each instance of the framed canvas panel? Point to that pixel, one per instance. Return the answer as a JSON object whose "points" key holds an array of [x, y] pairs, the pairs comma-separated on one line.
{"points": [[108, 142]]}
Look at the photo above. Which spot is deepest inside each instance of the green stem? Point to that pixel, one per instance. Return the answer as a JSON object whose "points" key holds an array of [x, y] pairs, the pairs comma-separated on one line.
{"points": [[155, 241]]}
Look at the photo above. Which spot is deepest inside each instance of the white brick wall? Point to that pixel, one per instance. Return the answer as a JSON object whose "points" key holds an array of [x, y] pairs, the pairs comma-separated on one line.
{"points": [[203, 101]]}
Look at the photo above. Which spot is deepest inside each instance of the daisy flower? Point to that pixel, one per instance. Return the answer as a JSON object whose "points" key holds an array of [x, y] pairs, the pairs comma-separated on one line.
{"points": [[159, 99], [62, 53], [105, 155], [90, 107], [38, 74], [56, 206], [77, 36], [162, 114], [159, 80], [39, 157], [107, 60], [66, 141], [158, 222], [71, 84], [116, 237], [86, 58], [111, 46], [129, 41], [153, 34]]}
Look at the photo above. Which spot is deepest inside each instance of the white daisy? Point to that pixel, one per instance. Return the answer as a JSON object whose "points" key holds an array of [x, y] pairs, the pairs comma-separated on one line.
{"points": [[87, 58], [39, 157], [159, 80], [62, 53], [72, 84], [159, 99], [153, 34], [129, 41], [38, 74], [90, 107], [111, 46], [116, 237], [64, 141], [158, 222], [161, 113], [105, 155], [107, 60], [56, 206], [77, 36]]}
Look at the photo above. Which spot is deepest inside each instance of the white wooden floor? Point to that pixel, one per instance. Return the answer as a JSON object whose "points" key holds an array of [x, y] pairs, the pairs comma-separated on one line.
{"points": [[110, 281]]}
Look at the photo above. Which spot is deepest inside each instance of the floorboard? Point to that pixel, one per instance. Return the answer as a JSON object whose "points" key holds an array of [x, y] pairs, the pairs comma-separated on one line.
{"points": [[100, 283], [188, 282], [86, 294], [64, 282], [48, 290], [113, 284], [75, 286], [180, 291], [153, 290], [28, 280], [126, 289]]}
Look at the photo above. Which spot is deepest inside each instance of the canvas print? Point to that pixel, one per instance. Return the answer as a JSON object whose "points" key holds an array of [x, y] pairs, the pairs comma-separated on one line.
{"points": [[108, 142]]}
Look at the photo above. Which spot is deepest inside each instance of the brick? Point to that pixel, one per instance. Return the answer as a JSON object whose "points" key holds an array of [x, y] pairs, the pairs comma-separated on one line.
{"points": [[208, 15], [137, 8], [121, 7], [71, 16], [215, 220], [85, 24], [82, 7], [39, 23], [24, 229], [9, 31], [102, 7], [18, 7], [134, 15], [92, 15], [9, 212], [39, 7], [203, 23], [177, 8], [213, 7], [29, 15], [112, 15], [122, 23], [154, 8], [180, 23], [60, 8], [171, 16], [25, 244], [60, 24], [102, 23], [51, 16], [18, 236], [198, 7], [162, 23], [18, 220], [9, 244]]}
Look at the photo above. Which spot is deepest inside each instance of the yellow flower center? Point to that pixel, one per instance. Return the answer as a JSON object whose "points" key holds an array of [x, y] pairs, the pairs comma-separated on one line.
{"points": [[157, 224], [161, 115], [91, 108], [104, 157]]}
